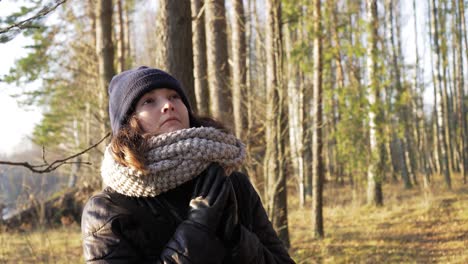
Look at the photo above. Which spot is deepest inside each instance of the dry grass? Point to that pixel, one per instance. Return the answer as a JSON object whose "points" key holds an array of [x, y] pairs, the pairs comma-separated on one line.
{"points": [[412, 227], [61, 245]]}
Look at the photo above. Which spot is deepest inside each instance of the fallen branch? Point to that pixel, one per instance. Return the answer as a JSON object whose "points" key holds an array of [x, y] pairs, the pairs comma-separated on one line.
{"points": [[54, 165]]}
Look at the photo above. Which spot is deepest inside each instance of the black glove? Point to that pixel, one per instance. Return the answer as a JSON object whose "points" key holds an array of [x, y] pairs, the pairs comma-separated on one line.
{"points": [[230, 229], [209, 198]]}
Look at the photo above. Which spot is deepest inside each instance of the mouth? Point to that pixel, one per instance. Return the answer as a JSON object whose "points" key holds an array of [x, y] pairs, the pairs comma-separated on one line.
{"points": [[169, 120]]}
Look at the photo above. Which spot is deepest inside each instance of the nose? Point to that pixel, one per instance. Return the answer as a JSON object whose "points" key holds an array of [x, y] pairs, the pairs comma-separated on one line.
{"points": [[167, 106]]}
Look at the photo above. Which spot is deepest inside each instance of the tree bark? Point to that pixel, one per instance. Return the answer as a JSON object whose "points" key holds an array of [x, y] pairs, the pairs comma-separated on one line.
{"points": [[274, 164], [174, 43], [317, 141], [461, 113], [374, 173], [129, 56], [438, 96], [199, 57], [91, 6], [250, 51], [250, 80], [121, 37], [296, 114], [217, 59], [239, 69], [445, 84], [105, 54], [340, 84]]}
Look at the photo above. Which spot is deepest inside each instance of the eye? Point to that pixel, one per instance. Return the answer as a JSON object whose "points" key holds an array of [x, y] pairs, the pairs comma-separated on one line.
{"points": [[174, 96], [148, 101]]}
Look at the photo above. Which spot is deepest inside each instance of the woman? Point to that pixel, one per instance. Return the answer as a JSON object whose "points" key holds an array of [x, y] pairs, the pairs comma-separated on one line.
{"points": [[167, 197]]}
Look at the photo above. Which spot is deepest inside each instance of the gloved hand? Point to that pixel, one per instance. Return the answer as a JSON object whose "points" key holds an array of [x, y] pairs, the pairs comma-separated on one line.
{"points": [[209, 198], [229, 231]]}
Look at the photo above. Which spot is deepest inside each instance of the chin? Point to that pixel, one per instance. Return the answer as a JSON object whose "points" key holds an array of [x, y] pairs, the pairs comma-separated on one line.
{"points": [[170, 129]]}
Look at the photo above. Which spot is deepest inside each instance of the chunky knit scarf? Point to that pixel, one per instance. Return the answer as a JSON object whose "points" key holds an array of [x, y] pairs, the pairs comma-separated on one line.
{"points": [[173, 159]]}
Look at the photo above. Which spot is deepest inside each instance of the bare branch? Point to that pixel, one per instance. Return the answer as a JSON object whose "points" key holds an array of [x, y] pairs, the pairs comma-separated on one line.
{"points": [[54, 165], [27, 23]]}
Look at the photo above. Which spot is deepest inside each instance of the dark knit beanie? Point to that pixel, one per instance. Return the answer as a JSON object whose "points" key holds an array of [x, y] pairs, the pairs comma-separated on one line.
{"points": [[127, 87]]}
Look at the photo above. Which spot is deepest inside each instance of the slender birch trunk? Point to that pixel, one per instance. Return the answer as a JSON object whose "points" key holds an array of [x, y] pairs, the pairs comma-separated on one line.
{"points": [[374, 173], [445, 84], [419, 106], [440, 133], [296, 114], [461, 113]]}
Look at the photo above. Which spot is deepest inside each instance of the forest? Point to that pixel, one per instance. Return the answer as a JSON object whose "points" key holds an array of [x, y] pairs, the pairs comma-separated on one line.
{"points": [[354, 113]]}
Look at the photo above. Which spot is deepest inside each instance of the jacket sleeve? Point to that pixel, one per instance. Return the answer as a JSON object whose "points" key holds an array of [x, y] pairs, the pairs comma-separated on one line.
{"points": [[104, 241], [258, 242]]}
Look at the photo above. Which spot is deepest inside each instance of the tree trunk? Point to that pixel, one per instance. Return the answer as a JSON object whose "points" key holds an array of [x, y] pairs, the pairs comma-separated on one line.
{"points": [[274, 164], [419, 105], [402, 110], [374, 173], [174, 43], [239, 69], [91, 6], [317, 154], [217, 59], [403, 165], [439, 97], [307, 128], [306, 88], [391, 127], [445, 84], [128, 45], [340, 84], [75, 167], [248, 109], [461, 114], [105, 55], [121, 37], [296, 117], [405, 92], [250, 50], [199, 57]]}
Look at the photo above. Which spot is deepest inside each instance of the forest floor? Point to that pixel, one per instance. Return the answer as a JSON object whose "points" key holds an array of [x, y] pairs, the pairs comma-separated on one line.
{"points": [[413, 226], [57, 245]]}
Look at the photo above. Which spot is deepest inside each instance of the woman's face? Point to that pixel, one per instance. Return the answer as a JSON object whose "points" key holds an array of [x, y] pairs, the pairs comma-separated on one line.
{"points": [[161, 111]]}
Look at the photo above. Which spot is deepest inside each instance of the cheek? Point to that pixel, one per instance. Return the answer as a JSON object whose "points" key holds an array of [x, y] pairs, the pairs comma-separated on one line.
{"points": [[147, 121], [186, 119]]}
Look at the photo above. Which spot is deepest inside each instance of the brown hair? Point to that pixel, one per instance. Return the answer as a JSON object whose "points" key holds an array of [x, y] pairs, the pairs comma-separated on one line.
{"points": [[128, 146]]}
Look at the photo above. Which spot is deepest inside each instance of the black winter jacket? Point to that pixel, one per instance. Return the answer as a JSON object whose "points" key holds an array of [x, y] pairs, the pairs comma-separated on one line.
{"points": [[122, 229]]}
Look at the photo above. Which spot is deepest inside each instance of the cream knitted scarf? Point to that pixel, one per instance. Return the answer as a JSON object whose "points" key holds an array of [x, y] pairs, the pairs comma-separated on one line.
{"points": [[173, 159]]}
